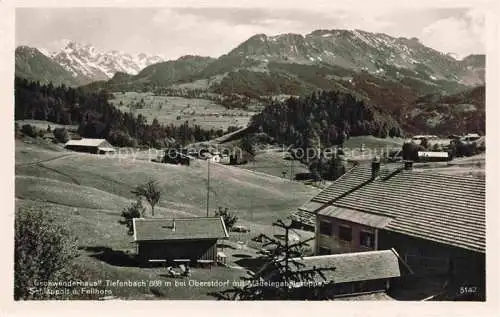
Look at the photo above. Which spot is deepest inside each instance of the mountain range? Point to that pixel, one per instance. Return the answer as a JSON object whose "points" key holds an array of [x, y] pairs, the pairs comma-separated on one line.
{"points": [[294, 64], [83, 62], [394, 73], [34, 65], [334, 54]]}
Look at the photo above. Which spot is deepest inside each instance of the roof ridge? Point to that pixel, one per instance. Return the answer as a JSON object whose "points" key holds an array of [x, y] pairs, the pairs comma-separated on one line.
{"points": [[87, 139], [349, 254], [182, 218]]}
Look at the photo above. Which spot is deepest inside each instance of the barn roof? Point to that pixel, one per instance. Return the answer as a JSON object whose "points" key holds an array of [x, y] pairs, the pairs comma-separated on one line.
{"points": [[437, 207], [349, 267], [161, 229], [87, 142]]}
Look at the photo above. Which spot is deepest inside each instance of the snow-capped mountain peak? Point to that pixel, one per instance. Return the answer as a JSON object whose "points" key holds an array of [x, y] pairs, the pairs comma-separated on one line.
{"points": [[85, 60], [376, 53]]}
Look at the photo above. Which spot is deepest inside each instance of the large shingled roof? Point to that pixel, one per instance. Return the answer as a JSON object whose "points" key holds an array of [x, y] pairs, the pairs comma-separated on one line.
{"points": [[161, 229], [438, 207], [349, 267]]}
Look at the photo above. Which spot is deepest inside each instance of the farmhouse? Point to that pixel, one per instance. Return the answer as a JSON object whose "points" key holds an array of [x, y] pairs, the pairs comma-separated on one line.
{"points": [[176, 156], [436, 222], [348, 274], [433, 156], [94, 146], [191, 239]]}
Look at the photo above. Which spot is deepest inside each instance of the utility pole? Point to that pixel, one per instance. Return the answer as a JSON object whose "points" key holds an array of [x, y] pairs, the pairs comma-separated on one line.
{"points": [[287, 272], [208, 186]]}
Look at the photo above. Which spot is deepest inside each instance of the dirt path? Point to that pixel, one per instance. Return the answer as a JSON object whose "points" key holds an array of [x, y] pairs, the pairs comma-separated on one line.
{"points": [[44, 161], [74, 180]]}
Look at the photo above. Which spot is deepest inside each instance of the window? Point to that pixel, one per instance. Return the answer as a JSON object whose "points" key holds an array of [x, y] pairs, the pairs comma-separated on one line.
{"points": [[359, 287], [325, 228], [324, 251], [367, 239], [345, 233]]}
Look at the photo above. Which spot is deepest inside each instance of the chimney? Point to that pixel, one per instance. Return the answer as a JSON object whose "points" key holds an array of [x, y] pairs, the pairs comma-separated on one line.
{"points": [[375, 167], [408, 165], [173, 224]]}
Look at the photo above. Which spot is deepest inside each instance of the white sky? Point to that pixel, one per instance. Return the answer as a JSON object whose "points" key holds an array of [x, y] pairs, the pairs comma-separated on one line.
{"points": [[174, 32]]}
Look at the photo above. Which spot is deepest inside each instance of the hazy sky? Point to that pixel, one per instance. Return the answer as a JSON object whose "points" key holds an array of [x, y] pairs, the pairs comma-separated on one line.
{"points": [[174, 32]]}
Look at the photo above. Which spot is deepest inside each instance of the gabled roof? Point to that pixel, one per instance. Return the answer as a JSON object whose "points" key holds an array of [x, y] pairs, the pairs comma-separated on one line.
{"points": [[377, 296], [350, 267], [87, 142], [438, 207], [161, 229], [364, 218], [352, 179]]}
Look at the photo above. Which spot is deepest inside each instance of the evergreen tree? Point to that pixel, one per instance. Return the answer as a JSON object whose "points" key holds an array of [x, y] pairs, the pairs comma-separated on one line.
{"points": [[61, 135], [246, 144], [337, 166], [424, 143], [282, 271]]}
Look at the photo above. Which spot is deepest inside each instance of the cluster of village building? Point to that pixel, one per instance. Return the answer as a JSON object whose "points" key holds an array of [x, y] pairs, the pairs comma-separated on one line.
{"points": [[377, 225]]}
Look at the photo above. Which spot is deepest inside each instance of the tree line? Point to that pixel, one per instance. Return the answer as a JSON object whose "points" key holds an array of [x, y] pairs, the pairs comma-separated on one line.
{"points": [[96, 117]]}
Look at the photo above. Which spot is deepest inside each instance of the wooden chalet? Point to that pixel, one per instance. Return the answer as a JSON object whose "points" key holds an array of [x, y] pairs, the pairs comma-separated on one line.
{"points": [[189, 239], [436, 222]]}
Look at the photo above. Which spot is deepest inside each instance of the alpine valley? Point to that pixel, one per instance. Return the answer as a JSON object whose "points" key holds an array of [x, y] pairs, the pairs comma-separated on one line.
{"points": [[407, 80]]}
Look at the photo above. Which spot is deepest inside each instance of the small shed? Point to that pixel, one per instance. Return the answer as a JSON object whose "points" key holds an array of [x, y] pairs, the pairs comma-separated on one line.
{"points": [[433, 156], [354, 273], [94, 146], [191, 239]]}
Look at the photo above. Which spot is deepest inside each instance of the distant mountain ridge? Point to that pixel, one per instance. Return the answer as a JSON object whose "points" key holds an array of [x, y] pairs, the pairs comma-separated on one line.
{"points": [[296, 64], [34, 65], [359, 50], [83, 62]]}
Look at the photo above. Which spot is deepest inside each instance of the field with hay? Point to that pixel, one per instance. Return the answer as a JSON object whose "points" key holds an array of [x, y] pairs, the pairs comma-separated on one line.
{"points": [[177, 110]]}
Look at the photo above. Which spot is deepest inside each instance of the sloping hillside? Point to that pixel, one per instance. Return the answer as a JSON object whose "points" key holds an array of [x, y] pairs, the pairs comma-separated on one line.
{"points": [[76, 180], [457, 113], [324, 119], [161, 74], [33, 65], [87, 193]]}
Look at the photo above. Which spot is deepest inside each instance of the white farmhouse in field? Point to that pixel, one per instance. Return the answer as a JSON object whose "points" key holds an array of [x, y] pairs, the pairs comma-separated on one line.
{"points": [[95, 146]]}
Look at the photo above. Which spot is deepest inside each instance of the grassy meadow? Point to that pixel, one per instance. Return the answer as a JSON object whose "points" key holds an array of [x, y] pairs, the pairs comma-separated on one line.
{"points": [[273, 162], [87, 193], [42, 125], [177, 110]]}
